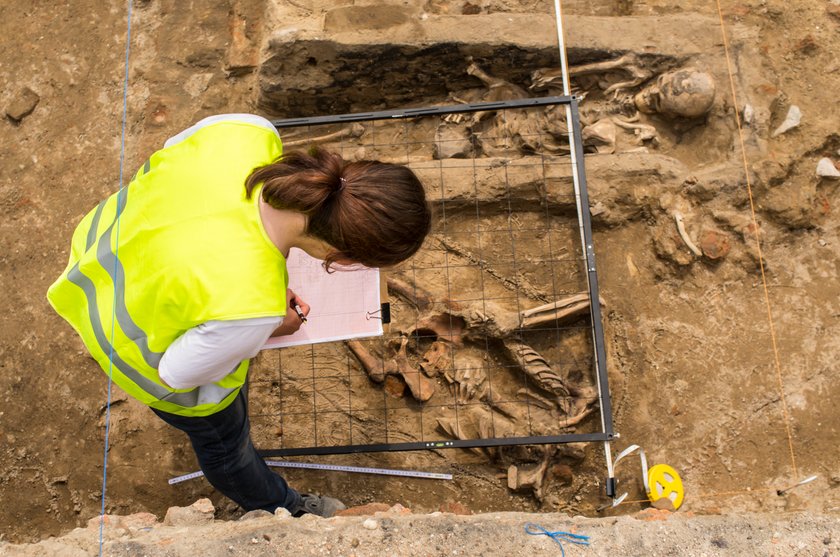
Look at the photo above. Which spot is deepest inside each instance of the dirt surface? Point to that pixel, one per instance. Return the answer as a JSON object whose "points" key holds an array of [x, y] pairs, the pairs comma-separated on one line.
{"points": [[192, 531], [695, 366]]}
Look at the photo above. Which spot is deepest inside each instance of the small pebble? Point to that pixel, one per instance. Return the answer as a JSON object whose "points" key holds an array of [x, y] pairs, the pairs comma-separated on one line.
{"points": [[370, 524], [793, 118], [22, 105], [827, 169], [748, 114]]}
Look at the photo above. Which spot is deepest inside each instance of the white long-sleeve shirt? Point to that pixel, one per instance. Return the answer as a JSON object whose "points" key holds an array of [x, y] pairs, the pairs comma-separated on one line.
{"points": [[210, 351]]}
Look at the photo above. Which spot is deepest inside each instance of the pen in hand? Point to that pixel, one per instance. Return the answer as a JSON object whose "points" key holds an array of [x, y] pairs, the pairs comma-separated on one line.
{"points": [[299, 313]]}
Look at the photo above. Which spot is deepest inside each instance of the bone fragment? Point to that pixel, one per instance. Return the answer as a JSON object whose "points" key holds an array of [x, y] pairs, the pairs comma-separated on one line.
{"points": [[600, 135], [469, 377], [793, 118], [356, 130], [684, 235], [422, 388], [499, 88], [532, 476], [577, 418], [373, 366], [443, 326], [449, 427], [436, 358], [643, 132], [491, 401], [537, 400], [827, 169]]}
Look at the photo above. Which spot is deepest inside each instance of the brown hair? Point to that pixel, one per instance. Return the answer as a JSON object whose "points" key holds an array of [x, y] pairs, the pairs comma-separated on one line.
{"points": [[370, 212]]}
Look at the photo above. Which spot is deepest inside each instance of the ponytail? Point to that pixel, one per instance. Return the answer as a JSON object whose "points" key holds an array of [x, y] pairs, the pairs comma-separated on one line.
{"points": [[370, 212]]}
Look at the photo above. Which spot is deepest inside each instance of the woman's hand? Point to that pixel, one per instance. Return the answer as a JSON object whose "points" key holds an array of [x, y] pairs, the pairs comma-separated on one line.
{"points": [[292, 321]]}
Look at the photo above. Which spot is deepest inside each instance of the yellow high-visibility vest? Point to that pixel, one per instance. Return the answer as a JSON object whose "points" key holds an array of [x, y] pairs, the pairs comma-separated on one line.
{"points": [[188, 247]]}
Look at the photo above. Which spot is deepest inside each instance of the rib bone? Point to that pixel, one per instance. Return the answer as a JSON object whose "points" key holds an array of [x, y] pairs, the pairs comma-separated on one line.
{"points": [[536, 368]]}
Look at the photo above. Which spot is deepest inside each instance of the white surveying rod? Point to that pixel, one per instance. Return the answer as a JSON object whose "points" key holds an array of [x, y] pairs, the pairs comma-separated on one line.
{"points": [[564, 70]]}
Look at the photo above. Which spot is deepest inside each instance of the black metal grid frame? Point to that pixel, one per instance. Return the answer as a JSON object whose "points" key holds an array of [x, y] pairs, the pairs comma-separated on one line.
{"points": [[584, 221]]}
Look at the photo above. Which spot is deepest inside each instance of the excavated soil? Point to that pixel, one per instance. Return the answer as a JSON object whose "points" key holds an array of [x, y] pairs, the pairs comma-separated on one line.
{"points": [[697, 368]]}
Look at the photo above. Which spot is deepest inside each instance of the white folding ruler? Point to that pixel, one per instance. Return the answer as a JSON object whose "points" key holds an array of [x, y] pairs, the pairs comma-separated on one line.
{"points": [[334, 468]]}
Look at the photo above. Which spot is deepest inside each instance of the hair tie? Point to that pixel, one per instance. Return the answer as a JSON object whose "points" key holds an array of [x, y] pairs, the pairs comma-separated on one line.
{"points": [[343, 182]]}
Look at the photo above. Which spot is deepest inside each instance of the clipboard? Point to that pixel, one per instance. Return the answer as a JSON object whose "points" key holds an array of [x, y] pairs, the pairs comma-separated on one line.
{"points": [[345, 304]]}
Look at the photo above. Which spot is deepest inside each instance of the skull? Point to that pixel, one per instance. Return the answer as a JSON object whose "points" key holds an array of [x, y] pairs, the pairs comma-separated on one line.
{"points": [[685, 93]]}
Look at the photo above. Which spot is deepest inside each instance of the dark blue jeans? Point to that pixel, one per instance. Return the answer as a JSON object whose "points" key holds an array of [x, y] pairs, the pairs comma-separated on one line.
{"points": [[222, 443]]}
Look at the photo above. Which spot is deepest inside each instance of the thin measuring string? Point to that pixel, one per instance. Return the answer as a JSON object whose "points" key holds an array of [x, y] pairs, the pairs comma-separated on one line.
{"points": [[120, 193], [561, 43], [776, 359]]}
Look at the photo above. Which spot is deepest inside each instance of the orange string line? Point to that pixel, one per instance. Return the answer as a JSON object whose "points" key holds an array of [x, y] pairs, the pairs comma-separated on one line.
{"points": [[710, 495], [758, 246]]}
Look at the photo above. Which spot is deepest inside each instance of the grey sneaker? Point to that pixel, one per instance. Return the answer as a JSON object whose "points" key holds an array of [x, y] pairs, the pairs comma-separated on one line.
{"points": [[318, 505]]}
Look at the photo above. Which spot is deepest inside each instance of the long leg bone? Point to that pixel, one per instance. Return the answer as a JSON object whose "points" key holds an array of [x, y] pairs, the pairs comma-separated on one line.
{"points": [[629, 63], [415, 295], [373, 366], [356, 130], [571, 306]]}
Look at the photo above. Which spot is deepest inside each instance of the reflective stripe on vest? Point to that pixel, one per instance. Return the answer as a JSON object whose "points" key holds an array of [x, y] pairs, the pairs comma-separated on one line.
{"points": [[192, 249], [109, 261]]}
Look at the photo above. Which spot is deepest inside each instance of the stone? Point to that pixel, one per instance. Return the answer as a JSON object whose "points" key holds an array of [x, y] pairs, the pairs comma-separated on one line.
{"points": [[394, 386], [198, 83], [714, 244], [370, 524], [664, 504], [347, 18], [243, 54], [455, 507], [108, 520], [258, 513], [748, 115], [363, 510], [451, 143], [470, 9], [22, 105], [563, 474], [399, 509], [200, 512], [139, 521], [793, 118], [827, 169]]}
